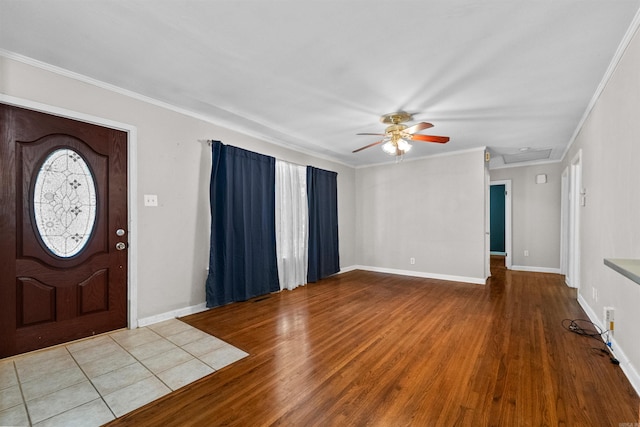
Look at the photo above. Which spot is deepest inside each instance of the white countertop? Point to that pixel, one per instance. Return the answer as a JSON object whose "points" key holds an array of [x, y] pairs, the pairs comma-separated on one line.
{"points": [[629, 268]]}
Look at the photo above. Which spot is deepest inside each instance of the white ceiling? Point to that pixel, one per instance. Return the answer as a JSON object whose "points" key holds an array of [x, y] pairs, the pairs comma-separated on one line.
{"points": [[310, 74]]}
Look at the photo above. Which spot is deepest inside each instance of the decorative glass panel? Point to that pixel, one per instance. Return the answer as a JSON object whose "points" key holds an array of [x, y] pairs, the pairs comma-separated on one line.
{"points": [[64, 202]]}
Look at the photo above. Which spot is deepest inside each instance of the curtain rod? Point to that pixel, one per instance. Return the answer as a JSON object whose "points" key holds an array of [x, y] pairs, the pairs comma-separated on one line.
{"points": [[211, 141]]}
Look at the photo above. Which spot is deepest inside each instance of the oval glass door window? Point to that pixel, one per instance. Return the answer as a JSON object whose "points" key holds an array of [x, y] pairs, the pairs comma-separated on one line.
{"points": [[64, 202]]}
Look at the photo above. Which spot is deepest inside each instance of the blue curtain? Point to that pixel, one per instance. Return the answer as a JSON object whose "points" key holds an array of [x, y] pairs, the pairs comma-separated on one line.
{"points": [[242, 259], [322, 193]]}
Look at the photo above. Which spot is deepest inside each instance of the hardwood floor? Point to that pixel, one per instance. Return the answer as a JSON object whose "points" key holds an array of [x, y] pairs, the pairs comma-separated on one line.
{"points": [[376, 349]]}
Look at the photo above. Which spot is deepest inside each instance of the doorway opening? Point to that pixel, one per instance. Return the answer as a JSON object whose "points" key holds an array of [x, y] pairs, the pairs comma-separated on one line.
{"points": [[500, 218]]}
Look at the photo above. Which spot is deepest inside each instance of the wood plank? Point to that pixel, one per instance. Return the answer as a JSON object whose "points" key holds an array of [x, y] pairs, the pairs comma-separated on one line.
{"points": [[367, 348]]}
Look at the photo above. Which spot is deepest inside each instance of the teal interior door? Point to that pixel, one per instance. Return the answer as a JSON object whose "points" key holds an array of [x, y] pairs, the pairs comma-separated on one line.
{"points": [[497, 218]]}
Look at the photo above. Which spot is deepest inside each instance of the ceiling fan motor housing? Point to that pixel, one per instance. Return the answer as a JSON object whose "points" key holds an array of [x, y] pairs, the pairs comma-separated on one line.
{"points": [[396, 118], [395, 129]]}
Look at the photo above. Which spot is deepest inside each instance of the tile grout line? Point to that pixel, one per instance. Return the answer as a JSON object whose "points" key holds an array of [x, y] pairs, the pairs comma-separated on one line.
{"points": [[24, 401], [72, 385], [181, 347], [102, 397], [90, 382], [141, 362]]}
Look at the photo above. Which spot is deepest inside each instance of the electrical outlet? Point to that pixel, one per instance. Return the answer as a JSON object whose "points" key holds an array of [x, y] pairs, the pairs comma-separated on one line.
{"points": [[526, 252], [609, 318], [412, 260], [150, 200]]}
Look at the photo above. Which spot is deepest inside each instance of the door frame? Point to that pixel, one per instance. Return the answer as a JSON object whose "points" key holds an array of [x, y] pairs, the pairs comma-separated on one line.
{"points": [[132, 179], [572, 277], [507, 220], [564, 221]]}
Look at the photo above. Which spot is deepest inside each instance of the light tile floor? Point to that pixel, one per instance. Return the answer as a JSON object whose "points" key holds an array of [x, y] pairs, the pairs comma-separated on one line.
{"points": [[93, 381]]}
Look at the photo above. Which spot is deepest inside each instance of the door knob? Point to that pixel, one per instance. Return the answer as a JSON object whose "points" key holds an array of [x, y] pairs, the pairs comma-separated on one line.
{"points": [[120, 232], [120, 246]]}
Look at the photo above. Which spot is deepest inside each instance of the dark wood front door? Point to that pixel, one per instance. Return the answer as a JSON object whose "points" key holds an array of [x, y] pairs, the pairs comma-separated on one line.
{"points": [[63, 245]]}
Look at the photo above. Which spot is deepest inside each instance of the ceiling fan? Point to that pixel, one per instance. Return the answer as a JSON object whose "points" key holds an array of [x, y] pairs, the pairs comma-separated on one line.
{"points": [[397, 135]]}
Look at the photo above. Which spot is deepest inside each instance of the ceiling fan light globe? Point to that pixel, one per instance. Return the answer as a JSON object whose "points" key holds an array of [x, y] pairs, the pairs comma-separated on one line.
{"points": [[403, 146], [389, 148]]}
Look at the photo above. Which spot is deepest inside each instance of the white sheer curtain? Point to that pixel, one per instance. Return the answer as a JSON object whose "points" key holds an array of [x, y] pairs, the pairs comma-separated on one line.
{"points": [[292, 224]]}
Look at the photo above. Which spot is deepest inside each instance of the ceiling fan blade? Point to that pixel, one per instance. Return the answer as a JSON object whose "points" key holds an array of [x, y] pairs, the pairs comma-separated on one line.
{"points": [[430, 138], [367, 146], [379, 134], [418, 127]]}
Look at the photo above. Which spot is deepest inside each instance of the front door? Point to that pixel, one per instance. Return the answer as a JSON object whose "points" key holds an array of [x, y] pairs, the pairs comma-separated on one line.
{"points": [[63, 245]]}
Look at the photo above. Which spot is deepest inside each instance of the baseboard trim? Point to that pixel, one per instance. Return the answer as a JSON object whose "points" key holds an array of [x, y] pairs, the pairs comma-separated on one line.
{"points": [[146, 321], [627, 368], [347, 269], [425, 275], [172, 314], [535, 269]]}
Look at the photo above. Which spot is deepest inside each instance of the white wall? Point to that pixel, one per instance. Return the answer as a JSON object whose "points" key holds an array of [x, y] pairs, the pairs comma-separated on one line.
{"points": [[431, 209], [535, 215], [173, 239], [610, 221]]}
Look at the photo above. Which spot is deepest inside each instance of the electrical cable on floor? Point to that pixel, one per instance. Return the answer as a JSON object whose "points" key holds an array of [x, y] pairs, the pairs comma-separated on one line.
{"points": [[581, 327]]}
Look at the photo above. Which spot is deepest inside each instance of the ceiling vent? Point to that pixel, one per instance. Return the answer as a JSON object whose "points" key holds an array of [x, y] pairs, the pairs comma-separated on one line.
{"points": [[527, 156]]}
